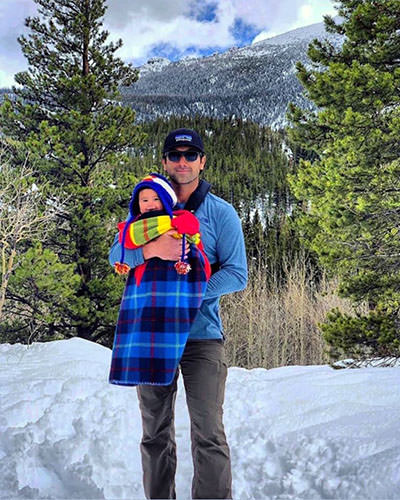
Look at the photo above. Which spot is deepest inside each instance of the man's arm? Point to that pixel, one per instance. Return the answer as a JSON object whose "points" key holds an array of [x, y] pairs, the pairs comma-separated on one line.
{"points": [[231, 254], [165, 247]]}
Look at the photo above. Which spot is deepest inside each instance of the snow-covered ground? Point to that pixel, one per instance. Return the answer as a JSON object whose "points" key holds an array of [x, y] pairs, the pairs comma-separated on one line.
{"points": [[300, 432]]}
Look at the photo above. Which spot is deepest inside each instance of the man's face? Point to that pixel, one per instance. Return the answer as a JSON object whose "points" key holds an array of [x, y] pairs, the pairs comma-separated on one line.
{"points": [[183, 171]]}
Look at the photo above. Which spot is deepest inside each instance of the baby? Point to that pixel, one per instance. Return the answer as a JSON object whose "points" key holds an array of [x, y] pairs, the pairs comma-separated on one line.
{"points": [[161, 298], [151, 194]]}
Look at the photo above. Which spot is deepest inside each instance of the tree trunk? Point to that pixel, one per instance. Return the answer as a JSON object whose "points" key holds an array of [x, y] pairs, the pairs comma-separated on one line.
{"points": [[6, 276]]}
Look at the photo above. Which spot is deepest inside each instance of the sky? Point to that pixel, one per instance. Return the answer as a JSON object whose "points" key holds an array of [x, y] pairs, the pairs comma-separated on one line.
{"points": [[297, 432], [172, 29]]}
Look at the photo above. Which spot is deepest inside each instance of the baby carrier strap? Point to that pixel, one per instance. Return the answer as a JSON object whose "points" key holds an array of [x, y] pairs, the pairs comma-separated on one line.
{"points": [[198, 195], [193, 203]]}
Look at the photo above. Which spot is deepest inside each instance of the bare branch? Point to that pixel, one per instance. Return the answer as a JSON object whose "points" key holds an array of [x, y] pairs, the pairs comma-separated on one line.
{"points": [[24, 214]]}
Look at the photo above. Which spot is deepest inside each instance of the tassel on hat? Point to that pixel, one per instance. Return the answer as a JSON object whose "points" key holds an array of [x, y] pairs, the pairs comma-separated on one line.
{"points": [[183, 267]]}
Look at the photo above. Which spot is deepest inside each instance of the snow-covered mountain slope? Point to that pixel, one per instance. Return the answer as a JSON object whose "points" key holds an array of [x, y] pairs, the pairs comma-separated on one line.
{"points": [[299, 35], [254, 82], [297, 432]]}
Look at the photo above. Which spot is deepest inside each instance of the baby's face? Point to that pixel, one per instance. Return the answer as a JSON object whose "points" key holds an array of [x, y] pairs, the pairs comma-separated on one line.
{"points": [[149, 201]]}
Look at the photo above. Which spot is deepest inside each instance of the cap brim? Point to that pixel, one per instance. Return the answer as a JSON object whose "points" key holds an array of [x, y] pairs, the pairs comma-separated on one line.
{"points": [[185, 144]]}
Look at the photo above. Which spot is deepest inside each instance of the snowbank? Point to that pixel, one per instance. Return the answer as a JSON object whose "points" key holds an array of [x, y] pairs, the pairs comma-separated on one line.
{"points": [[295, 432]]}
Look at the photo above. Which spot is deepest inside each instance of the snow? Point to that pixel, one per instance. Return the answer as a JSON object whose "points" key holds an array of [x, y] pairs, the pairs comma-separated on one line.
{"points": [[303, 34], [299, 432], [155, 64]]}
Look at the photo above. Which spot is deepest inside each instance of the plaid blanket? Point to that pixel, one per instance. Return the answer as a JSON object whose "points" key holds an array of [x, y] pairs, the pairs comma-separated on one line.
{"points": [[154, 321]]}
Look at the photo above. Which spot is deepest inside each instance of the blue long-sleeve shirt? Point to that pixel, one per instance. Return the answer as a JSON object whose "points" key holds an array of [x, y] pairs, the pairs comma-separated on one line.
{"points": [[222, 237]]}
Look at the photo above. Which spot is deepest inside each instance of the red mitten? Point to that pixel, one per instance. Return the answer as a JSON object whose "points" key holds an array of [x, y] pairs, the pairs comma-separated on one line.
{"points": [[185, 222]]}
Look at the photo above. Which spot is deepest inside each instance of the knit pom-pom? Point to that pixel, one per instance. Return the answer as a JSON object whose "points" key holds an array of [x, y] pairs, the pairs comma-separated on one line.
{"points": [[182, 267], [121, 268]]}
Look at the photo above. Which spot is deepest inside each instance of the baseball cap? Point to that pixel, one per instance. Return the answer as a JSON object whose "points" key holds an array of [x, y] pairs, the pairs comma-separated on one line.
{"points": [[183, 137]]}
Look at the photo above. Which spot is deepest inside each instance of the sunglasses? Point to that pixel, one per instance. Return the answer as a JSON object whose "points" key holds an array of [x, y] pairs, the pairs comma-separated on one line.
{"points": [[175, 156]]}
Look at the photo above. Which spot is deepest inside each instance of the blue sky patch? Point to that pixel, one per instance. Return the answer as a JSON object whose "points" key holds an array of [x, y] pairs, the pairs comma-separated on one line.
{"points": [[164, 50], [173, 54], [205, 12], [244, 33]]}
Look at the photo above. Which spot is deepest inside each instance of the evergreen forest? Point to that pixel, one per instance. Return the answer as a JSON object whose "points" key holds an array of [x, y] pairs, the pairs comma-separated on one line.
{"points": [[319, 202]]}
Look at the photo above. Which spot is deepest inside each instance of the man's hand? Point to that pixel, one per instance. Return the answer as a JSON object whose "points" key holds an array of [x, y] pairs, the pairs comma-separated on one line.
{"points": [[165, 247]]}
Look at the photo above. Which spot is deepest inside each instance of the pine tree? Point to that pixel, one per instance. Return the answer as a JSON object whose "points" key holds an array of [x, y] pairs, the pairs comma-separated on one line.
{"points": [[353, 188], [67, 115]]}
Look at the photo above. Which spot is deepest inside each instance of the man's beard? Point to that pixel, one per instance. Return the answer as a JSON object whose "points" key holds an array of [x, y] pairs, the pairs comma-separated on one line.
{"points": [[181, 182]]}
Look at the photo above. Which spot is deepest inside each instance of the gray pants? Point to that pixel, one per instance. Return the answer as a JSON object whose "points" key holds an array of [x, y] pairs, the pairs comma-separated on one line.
{"points": [[204, 373]]}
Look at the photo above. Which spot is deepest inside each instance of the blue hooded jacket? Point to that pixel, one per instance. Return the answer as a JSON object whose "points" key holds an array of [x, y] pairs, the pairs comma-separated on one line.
{"points": [[222, 236]]}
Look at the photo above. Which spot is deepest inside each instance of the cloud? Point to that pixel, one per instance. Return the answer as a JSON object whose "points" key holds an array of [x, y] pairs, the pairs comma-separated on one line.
{"points": [[120, 13], [194, 24], [210, 24], [12, 18], [306, 12], [178, 27]]}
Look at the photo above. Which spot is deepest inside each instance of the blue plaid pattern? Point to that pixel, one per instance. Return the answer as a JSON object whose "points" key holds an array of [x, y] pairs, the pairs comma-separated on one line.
{"points": [[154, 321]]}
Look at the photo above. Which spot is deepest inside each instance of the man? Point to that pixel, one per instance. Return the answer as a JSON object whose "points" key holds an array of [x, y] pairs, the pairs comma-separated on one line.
{"points": [[202, 365]]}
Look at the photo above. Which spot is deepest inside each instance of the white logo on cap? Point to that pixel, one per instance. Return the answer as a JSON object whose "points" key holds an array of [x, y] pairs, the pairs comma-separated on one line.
{"points": [[183, 138]]}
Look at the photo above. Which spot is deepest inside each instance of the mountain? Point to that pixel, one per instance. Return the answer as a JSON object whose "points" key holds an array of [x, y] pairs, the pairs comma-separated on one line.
{"points": [[255, 82]]}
